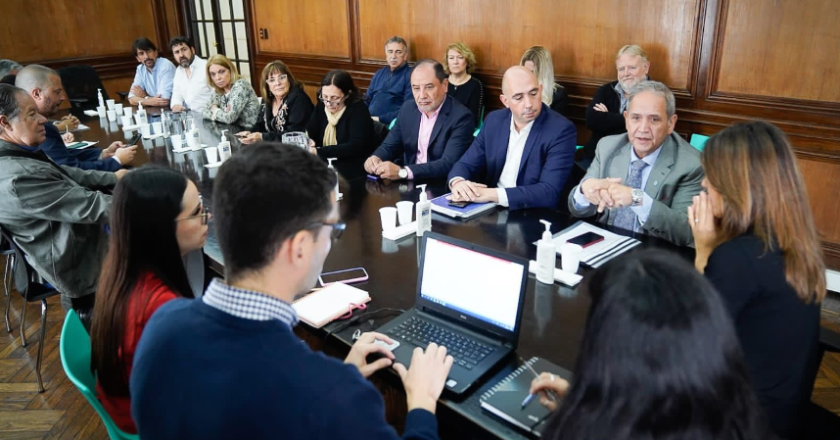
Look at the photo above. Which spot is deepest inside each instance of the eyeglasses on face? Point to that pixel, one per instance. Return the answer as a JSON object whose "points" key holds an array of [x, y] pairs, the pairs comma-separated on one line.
{"points": [[274, 79], [204, 214], [332, 100], [337, 228]]}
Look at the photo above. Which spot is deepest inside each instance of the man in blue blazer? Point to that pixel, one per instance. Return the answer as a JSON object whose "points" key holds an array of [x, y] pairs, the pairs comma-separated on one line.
{"points": [[431, 133], [523, 155]]}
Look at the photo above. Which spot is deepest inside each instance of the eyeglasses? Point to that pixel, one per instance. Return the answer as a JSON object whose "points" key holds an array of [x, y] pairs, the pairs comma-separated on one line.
{"points": [[204, 215], [337, 228], [332, 101], [273, 79]]}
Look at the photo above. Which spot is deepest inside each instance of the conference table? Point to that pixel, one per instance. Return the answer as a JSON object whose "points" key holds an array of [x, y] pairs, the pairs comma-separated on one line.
{"points": [[553, 318]]}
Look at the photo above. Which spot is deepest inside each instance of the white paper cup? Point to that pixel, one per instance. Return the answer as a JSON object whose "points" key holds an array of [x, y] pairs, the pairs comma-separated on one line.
{"points": [[176, 141], [127, 111], [126, 120], [404, 210], [146, 130], [191, 141], [101, 111], [138, 119], [110, 103], [112, 115], [212, 154], [570, 257], [157, 128], [118, 108], [389, 218]]}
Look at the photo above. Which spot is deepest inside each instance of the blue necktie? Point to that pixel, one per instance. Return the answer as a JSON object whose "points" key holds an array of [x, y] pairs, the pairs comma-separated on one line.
{"points": [[625, 218]]}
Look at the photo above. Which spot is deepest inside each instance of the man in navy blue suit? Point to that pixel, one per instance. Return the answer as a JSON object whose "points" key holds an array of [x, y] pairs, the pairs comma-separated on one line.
{"points": [[431, 133], [44, 86], [524, 153]]}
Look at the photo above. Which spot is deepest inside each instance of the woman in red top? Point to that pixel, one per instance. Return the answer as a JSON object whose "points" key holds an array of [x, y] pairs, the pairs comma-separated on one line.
{"points": [[156, 218]]}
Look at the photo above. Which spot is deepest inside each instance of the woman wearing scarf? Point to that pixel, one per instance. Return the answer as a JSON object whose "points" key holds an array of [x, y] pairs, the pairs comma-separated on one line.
{"points": [[341, 126]]}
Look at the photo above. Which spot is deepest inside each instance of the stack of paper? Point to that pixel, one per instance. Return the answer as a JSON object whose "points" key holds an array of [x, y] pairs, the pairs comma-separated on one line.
{"points": [[598, 253]]}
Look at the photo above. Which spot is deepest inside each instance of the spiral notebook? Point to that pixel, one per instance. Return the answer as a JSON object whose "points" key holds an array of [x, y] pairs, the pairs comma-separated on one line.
{"points": [[504, 400]]}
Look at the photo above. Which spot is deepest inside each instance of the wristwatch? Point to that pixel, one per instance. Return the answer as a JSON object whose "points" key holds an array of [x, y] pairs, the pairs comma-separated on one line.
{"points": [[638, 196], [403, 173]]}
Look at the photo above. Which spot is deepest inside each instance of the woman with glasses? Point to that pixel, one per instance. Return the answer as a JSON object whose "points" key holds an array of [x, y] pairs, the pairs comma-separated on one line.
{"points": [[341, 126], [537, 59], [157, 217], [286, 106], [233, 100]]}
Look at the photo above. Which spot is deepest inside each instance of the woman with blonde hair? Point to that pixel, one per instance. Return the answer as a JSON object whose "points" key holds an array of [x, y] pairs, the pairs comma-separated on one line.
{"points": [[286, 107], [233, 100], [756, 242], [537, 59], [459, 64]]}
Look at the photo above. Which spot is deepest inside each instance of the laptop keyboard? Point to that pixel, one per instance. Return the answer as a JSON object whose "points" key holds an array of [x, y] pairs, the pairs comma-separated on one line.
{"points": [[467, 352]]}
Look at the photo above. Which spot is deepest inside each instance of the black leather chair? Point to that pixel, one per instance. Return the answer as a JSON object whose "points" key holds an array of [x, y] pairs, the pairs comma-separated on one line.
{"points": [[820, 423], [81, 84], [31, 291]]}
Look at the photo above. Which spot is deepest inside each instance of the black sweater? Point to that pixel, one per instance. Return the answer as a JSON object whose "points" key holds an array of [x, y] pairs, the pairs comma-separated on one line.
{"points": [[603, 124], [559, 100], [778, 332], [293, 118], [354, 134], [471, 94]]}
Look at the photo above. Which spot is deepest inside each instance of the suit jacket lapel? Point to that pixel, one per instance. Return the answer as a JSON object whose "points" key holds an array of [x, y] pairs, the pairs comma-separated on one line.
{"points": [[441, 119], [499, 154], [661, 168], [532, 140]]}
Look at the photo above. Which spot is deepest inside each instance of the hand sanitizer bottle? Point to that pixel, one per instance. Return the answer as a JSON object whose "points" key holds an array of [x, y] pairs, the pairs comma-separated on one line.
{"points": [[338, 194], [141, 114], [224, 148], [423, 212], [546, 256], [101, 99]]}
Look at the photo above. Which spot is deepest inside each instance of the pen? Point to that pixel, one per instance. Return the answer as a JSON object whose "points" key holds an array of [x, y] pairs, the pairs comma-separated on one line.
{"points": [[530, 396]]}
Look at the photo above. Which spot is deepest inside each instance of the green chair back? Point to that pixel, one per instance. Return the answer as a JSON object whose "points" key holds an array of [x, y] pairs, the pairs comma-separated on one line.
{"points": [[579, 147], [698, 141], [391, 125], [75, 358]]}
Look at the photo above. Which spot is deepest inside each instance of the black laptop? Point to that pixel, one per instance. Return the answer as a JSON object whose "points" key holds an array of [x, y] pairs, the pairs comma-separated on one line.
{"points": [[469, 299]]}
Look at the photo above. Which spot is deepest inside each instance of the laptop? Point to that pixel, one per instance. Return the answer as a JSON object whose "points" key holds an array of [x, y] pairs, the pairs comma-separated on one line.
{"points": [[470, 300]]}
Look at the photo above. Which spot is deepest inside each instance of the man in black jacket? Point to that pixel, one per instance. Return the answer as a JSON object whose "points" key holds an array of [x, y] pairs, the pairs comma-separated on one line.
{"points": [[431, 133], [605, 113]]}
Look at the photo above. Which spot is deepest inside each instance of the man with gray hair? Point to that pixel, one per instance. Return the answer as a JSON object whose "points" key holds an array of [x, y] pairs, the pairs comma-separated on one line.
{"points": [[9, 67], [54, 213], [44, 86], [390, 86], [604, 114], [644, 180]]}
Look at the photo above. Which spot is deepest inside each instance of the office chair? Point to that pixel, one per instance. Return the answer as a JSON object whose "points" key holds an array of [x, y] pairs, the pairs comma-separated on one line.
{"points": [[8, 274], [31, 291], [75, 358], [81, 84], [698, 141]]}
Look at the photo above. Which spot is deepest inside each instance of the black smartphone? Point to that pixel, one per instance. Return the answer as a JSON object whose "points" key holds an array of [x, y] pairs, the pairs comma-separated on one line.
{"points": [[458, 204], [586, 240], [134, 140]]}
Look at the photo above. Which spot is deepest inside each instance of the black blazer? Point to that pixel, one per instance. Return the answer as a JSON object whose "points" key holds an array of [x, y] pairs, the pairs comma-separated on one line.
{"points": [[354, 134], [298, 111], [451, 136], [559, 100], [603, 124]]}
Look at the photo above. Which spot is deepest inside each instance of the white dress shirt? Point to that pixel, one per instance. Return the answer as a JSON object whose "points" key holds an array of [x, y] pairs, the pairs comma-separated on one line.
{"points": [[513, 159], [191, 91], [642, 211]]}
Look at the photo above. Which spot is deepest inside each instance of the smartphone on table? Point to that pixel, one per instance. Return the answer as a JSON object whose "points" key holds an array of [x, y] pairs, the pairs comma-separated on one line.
{"points": [[346, 276], [586, 240]]}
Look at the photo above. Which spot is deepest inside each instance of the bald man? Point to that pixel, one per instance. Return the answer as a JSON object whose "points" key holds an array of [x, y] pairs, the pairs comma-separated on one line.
{"points": [[525, 152]]}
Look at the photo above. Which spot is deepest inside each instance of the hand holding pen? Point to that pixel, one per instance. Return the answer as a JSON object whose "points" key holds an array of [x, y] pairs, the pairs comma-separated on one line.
{"points": [[548, 386]]}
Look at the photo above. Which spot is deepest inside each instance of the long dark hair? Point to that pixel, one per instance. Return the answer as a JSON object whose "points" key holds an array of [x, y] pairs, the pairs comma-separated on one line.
{"points": [[145, 204], [342, 80], [659, 359]]}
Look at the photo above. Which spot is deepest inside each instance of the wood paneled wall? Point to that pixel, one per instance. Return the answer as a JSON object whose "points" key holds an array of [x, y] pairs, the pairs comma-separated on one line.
{"points": [[60, 33], [726, 60]]}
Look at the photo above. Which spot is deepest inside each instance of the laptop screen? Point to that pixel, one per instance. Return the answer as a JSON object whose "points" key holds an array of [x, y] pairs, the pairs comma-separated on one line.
{"points": [[472, 283]]}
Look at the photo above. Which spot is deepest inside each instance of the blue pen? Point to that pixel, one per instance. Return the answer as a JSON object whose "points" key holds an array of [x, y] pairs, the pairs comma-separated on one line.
{"points": [[530, 396], [527, 400]]}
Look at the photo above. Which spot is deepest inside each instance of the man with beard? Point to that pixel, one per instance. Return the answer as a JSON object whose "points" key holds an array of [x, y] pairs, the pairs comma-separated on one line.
{"points": [[605, 113], [152, 84], [189, 90], [44, 86]]}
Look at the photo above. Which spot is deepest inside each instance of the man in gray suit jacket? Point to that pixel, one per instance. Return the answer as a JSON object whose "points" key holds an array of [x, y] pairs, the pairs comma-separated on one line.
{"points": [[53, 212], [644, 180]]}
